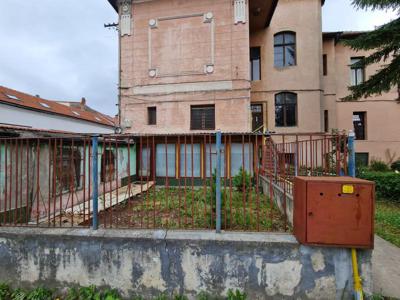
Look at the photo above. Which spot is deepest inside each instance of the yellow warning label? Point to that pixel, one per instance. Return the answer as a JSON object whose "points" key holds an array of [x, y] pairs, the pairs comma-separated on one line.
{"points": [[348, 189]]}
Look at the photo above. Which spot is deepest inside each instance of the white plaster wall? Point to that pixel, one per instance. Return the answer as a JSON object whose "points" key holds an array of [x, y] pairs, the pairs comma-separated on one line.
{"points": [[24, 117]]}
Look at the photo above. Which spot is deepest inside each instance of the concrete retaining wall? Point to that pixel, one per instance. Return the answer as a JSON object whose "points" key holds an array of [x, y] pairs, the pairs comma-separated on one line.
{"points": [[279, 197], [149, 262]]}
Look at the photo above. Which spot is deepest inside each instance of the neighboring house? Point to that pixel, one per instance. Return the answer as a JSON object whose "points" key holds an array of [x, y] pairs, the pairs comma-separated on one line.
{"points": [[26, 111], [242, 66], [375, 119]]}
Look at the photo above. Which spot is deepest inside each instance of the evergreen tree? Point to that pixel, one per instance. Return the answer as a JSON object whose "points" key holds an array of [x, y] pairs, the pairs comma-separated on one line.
{"points": [[385, 44]]}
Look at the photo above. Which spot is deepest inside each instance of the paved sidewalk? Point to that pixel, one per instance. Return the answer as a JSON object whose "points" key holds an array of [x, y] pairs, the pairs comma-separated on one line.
{"points": [[386, 268]]}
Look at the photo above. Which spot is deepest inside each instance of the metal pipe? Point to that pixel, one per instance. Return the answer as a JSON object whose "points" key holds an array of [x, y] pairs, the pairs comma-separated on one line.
{"points": [[95, 178], [218, 184]]}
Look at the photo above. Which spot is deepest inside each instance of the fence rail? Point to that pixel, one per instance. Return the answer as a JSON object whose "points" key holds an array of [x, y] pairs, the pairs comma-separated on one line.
{"points": [[157, 181]]}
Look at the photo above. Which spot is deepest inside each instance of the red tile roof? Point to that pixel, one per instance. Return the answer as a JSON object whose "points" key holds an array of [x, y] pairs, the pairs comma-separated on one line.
{"points": [[16, 98]]}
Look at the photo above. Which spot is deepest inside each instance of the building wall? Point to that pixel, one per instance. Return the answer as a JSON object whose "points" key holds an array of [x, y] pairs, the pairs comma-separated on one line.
{"points": [[304, 18], [382, 111], [25, 197], [179, 48], [24, 117]]}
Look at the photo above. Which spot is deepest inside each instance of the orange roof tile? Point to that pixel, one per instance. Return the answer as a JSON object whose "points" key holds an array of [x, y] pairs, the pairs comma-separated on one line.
{"points": [[16, 98]]}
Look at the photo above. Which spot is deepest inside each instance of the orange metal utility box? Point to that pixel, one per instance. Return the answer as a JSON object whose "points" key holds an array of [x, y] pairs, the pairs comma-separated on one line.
{"points": [[334, 211]]}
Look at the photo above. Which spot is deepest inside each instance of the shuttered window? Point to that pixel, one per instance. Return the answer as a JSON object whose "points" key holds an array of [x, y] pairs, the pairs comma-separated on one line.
{"points": [[202, 117]]}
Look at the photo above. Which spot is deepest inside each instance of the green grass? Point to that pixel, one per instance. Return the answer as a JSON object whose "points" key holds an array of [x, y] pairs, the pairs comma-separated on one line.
{"points": [[195, 208], [387, 221], [93, 293]]}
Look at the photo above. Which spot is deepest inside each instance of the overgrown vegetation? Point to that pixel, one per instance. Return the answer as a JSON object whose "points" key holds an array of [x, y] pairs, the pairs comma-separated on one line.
{"points": [[395, 166], [243, 206], [93, 293], [195, 208], [387, 221], [378, 166], [387, 184]]}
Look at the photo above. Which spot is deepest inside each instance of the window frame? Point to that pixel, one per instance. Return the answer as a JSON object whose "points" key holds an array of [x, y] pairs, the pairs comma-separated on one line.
{"points": [[325, 64], [203, 117], [355, 71], [285, 45], [326, 120], [252, 62], [152, 120], [284, 109], [364, 125]]}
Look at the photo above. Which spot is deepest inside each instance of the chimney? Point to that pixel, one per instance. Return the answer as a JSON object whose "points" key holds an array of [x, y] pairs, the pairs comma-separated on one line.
{"points": [[83, 103], [37, 96]]}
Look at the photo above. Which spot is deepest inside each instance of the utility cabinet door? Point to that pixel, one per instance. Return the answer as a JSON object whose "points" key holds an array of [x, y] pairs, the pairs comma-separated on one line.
{"points": [[335, 218]]}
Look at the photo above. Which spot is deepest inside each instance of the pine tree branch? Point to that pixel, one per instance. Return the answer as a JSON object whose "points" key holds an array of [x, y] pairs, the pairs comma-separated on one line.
{"points": [[382, 81], [377, 4]]}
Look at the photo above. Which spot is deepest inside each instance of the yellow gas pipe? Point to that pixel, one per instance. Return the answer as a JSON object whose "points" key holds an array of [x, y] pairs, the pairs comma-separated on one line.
{"points": [[356, 276]]}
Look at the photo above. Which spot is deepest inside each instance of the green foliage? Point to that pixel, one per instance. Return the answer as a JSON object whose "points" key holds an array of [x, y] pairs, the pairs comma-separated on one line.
{"points": [[5, 291], [242, 180], [40, 293], [237, 295], [387, 184], [395, 166], [377, 4], [378, 166], [384, 42], [387, 221], [19, 294]]}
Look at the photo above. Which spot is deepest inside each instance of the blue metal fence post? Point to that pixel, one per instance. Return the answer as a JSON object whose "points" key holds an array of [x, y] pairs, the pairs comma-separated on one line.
{"points": [[218, 182], [352, 155], [95, 180]]}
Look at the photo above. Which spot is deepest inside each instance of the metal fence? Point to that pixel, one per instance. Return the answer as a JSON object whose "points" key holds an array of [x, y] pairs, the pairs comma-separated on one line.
{"points": [[288, 155], [157, 181]]}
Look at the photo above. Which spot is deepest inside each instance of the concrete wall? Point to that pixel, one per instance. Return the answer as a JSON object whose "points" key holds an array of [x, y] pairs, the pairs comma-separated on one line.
{"points": [[25, 117], [272, 266], [280, 198]]}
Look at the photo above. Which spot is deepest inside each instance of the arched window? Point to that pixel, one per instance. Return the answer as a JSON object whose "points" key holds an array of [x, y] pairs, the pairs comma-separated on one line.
{"points": [[285, 49], [285, 109]]}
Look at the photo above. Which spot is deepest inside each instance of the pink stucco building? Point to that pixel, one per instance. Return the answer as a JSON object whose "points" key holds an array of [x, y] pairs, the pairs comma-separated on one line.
{"points": [[241, 66]]}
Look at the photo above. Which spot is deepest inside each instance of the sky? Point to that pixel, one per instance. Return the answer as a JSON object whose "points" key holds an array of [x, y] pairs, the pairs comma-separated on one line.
{"points": [[60, 50]]}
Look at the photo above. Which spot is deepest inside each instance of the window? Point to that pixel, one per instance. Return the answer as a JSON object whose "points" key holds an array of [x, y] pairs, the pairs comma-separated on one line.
{"points": [[359, 121], [284, 49], [69, 169], [202, 117], [165, 160], [255, 63], [187, 160], [145, 164], [285, 109], [107, 165], [152, 115], [325, 64], [238, 160], [211, 154], [362, 159], [326, 120], [357, 72]]}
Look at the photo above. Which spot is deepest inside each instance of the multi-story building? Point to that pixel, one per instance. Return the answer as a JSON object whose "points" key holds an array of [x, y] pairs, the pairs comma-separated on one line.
{"points": [[241, 66]]}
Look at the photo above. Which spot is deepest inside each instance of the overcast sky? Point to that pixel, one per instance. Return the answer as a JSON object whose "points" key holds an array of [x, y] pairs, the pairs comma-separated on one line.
{"points": [[60, 50]]}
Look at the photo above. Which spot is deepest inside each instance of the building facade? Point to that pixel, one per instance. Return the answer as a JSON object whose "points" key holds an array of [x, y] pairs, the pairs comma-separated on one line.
{"points": [[243, 66]]}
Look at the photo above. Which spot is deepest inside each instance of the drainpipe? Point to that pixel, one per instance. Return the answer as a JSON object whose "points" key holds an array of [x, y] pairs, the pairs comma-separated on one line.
{"points": [[358, 292]]}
